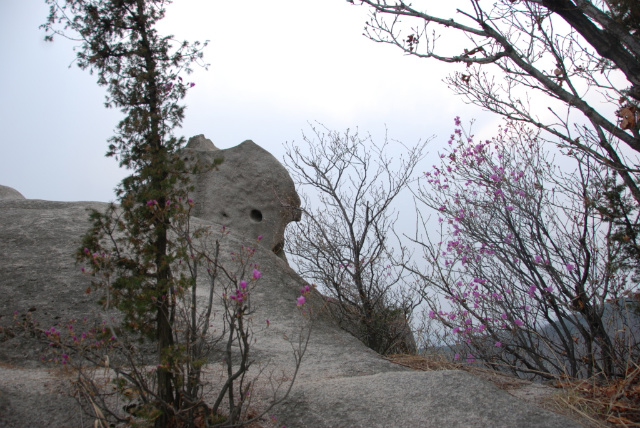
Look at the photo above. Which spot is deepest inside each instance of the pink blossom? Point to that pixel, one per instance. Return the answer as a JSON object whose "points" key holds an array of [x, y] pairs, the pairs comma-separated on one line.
{"points": [[256, 274], [300, 301], [498, 344], [570, 267], [519, 323]]}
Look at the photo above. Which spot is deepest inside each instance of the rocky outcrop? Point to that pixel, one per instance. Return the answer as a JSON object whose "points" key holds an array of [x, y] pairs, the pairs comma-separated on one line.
{"points": [[250, 192], [9, 193], [341, 382]]}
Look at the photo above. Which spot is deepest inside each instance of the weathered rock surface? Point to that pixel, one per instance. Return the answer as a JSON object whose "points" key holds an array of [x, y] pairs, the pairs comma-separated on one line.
{"points": [[7, 192], [447, 398], [341, 383], [250, 192]]}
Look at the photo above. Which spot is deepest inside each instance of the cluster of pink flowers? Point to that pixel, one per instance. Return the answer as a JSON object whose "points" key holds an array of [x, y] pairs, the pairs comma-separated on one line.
{"points": [[304, 291], [241, 293], [76, 339], [480, 308]]}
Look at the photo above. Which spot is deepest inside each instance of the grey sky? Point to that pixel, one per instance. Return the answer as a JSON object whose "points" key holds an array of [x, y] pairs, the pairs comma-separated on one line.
{"points": [[275, 65]]}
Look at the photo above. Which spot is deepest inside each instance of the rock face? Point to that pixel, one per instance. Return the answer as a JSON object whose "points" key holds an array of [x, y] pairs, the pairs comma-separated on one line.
{"points": [[341, 383], [9, 193], [250, 192]]}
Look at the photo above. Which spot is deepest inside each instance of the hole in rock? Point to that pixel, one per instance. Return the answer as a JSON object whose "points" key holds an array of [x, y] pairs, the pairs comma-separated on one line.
{"points": [[256, 216]]}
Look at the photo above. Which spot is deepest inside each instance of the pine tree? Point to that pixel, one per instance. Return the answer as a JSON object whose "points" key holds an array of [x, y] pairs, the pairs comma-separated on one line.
{"points": [[141, 72]]}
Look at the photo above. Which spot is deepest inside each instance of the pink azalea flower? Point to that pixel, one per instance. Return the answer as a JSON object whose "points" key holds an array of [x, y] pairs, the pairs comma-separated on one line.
{"points": [[256, 274], [519, 323], [498, 344], [300, 301]]}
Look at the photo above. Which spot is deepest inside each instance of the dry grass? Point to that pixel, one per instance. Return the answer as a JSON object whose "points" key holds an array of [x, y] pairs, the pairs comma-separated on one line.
{"points": [[614, 401], [593, 403], [436, 361]]}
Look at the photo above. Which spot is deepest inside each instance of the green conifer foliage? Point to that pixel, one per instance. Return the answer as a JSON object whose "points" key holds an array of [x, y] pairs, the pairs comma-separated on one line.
{"points": [[141, 71]]}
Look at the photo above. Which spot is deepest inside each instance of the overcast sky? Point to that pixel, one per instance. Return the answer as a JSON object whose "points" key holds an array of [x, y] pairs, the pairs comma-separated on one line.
{"points": [[275, 65]]}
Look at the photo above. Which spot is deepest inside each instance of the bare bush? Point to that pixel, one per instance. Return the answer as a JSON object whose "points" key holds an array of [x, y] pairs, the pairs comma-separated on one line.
{"points": [[345, 241]]}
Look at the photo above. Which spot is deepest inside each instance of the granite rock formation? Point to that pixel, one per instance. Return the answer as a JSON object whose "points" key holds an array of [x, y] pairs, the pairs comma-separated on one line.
{"points": [[250, 192], [341, 383]]}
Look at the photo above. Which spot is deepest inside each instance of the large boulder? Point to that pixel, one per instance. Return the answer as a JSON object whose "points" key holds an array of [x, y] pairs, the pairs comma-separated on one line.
{"points": [[250, 192], [341, 382]]}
